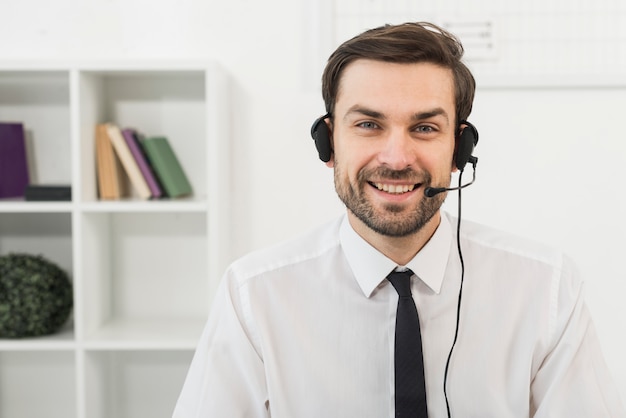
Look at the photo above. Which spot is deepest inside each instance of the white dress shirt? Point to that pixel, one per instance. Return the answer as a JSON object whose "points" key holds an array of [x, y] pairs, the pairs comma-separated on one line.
{"points": [[306, 330]]}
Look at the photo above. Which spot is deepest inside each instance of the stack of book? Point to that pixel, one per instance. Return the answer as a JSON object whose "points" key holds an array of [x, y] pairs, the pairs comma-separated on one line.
{"points": [[150, 164]]}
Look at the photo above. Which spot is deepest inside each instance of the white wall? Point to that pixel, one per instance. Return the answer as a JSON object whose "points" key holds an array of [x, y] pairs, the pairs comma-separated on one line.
{"points": [[551, 159]]}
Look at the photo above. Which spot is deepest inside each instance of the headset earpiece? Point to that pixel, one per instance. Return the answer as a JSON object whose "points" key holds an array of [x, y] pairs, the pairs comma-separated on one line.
{"points": [[466, 140], [321, 135]]}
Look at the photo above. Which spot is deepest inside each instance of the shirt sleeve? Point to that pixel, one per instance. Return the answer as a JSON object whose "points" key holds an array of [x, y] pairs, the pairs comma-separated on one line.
{"points": [[226, 377], [573, 379]]}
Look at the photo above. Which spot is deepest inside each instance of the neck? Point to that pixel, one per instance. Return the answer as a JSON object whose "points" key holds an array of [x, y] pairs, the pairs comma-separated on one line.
{"points": [[399, 249]]}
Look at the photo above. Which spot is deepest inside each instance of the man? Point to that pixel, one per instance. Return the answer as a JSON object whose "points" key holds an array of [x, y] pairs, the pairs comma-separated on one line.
{"points": [[315, 327]]}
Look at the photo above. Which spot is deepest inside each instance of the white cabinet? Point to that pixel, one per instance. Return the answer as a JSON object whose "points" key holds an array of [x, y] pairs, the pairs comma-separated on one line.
{"points": [[144, 272]]}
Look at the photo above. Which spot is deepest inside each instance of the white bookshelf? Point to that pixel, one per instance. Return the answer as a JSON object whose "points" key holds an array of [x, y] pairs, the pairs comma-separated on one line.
{"points": [[143, 272]]}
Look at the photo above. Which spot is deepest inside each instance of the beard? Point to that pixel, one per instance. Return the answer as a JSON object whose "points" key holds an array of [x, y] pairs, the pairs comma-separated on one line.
{"points": [[393, 220]]}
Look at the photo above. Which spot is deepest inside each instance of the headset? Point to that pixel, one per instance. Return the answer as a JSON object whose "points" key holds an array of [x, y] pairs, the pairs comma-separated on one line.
{"points": [[466, 139]]}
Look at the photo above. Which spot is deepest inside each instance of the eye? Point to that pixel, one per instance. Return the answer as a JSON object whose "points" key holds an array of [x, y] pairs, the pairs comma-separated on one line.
{"points": [[425, 129], [367, 125]]}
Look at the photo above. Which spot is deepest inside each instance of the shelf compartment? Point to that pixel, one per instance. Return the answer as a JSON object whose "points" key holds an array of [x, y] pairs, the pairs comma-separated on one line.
{"points": [[157, 103], [140, 267], [37, 384], [41, 101], [48, 234], [130, 384]]}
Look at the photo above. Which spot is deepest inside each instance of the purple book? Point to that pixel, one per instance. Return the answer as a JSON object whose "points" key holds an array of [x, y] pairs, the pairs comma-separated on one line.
{"points": [[13, 164], [131, 139]]}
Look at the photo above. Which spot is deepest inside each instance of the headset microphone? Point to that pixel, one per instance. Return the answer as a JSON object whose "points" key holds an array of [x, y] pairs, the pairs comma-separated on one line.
{"points": [[466, 141], [434, 191]]}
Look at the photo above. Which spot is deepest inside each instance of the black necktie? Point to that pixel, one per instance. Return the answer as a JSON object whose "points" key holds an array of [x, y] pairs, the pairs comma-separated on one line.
{"points": [[409, 365]]}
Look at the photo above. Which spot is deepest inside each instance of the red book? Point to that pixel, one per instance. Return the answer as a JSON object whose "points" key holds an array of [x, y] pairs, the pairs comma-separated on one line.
{"points": [[13, 164]]}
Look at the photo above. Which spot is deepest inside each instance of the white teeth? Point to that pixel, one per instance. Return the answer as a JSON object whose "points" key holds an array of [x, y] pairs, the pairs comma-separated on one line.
{"points": [[395, 188]]}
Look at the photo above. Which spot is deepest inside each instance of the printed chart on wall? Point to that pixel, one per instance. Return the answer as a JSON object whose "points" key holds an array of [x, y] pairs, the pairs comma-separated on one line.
{"points": [[563, 41]]}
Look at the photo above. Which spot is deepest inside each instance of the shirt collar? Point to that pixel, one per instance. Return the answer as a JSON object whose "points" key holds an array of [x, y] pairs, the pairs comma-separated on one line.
{"points": [[371, 267]]}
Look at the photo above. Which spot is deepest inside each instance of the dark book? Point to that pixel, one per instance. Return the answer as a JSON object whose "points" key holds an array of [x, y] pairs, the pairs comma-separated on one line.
{"points": [[166, 166], [132, 139], [42, 193], [13, 164]]}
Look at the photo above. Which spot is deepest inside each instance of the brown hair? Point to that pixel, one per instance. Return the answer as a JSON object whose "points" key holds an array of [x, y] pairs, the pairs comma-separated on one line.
{"points": [[404, 43]]}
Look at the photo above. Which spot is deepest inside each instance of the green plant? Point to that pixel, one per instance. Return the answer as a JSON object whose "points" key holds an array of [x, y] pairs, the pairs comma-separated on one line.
{"points": [[35, 296]]}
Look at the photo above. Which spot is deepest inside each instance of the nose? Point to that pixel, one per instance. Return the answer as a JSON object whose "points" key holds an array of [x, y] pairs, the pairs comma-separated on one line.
{"points": [[397, 150]]}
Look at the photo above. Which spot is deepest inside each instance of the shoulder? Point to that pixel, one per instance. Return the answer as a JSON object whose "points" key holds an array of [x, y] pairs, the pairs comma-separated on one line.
{"points": [[537, 273], [488, 241], [310, 245]]}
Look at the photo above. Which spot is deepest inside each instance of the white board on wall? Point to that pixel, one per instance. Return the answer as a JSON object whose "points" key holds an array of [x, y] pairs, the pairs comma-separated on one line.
{"points": [[561, 41]]}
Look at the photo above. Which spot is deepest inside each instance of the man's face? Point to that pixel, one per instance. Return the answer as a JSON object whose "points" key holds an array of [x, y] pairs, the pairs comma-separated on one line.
{"points": [[393, 136]]}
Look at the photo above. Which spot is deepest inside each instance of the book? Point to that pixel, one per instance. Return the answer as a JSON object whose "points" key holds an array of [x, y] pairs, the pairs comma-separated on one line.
{"points": [[132, 140], [43, 193], [166, 166], [108, 167], [128, 161], [13, 162]]}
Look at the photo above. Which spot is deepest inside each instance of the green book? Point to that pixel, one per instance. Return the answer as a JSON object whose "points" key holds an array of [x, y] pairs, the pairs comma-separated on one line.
{"points": [[166, 166]]}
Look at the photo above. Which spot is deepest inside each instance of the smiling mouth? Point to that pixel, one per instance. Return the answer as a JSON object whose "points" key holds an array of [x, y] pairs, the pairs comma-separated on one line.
{"points": [[395, 188]]}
